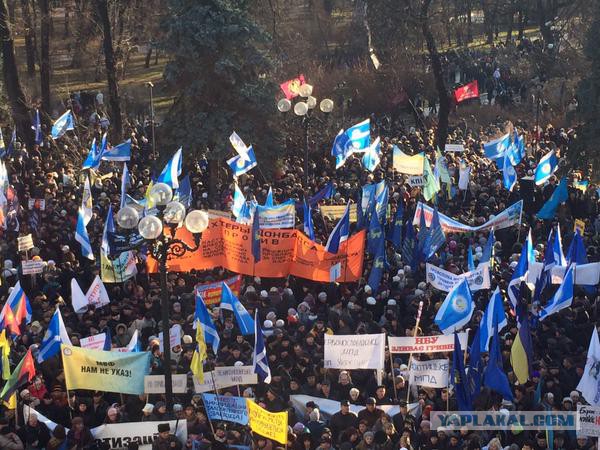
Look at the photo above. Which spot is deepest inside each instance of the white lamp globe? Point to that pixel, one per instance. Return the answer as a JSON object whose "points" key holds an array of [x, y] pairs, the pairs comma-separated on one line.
{"points": [[128, 218], [196, 221], [150, 227], [161, 194]]}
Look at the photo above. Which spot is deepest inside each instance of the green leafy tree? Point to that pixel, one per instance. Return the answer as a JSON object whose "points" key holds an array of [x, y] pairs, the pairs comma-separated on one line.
{"points": [[220, 70]]}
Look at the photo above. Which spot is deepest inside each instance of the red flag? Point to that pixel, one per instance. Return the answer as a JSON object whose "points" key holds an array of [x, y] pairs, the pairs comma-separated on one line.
{"points": [[23, 373], [9, 320], [291, 88], [469, 90]]}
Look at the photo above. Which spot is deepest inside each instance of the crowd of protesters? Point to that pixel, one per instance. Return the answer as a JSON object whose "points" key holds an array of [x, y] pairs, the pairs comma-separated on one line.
{"points": [[294, 313]]}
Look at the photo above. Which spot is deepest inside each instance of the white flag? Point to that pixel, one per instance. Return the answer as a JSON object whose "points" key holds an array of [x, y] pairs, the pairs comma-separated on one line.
{"points": [[96, 294], [78, 298], [589, 385]]}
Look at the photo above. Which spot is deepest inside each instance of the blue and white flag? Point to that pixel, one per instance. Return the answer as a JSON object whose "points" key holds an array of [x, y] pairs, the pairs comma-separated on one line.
{"points": [[125, 181], [545, 168], [172, 170], [260, 361], [509, 174], [63, 124], [238, 201], [37, 128], [121, 152], [496, 149], [239, 146], [211, 336], [87, 201], [17, 294], [357, 138], [560, 195], [231, 303], [183, 193], [93, 158], [494, 316], [340, 233], [519, 275], [562, 298], [240, 165], [514, 152], [435, 238], [488, 249], [374, 234], [2, 145], [56, 334], [457, 309], [372, 155], [269, 200], [470, 260], [11, 145], [309, 229], [81, 236], [381, 200]]}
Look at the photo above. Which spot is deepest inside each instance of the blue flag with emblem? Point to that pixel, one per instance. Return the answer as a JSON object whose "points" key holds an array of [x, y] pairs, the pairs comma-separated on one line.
{"points": [[494, 376], [240, 165], [260, 361], [546, 168], [459, 378], [309, 229], [493, 317], [374, 234], [56, 334], [231, 303], [93, 158], [340, 233], [496, 148], [559, 196], [357, 138], [63, 124], [172, 170], [372, 155], [211, 336], [395, 235], [121, 152], [457, 309], [509, 174], [256, 252], [379, 263]]}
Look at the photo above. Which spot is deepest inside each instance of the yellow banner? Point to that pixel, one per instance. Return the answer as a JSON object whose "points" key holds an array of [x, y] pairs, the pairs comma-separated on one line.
{"points": [[270, 425], [410, 165], [579, 225], [334, 212], [98, 370]]}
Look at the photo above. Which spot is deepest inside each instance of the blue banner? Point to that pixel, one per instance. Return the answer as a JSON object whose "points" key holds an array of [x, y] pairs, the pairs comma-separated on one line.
{"points": [[221, 407]]}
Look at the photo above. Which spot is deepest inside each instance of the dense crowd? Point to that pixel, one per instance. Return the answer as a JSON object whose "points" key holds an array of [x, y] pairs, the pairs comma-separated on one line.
{"points": [[295, 313]]}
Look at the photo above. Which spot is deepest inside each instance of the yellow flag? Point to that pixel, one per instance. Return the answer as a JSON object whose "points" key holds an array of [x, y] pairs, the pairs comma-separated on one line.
{"points": [[270, 425], [5, 353], [149, 204], [12, 402], [197, 364], [518, 359]]}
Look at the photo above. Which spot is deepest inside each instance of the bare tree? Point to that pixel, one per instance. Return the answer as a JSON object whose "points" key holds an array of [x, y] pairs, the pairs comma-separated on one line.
{"points": [[12, 85], [29, 37], [45, 55]]}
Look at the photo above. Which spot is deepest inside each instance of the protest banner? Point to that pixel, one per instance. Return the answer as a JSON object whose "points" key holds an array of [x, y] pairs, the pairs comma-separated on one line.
{"points": [[589, 420], [416, 180], [264, 423], [444, 281], [426, 344], [278, 216], [432, 373], [25, 243], [335, 212], [97, 370], [175, 334], [155, 384], [211, 292], [32, 267], [585, 274], [223, 407], [225, 377], [410, 165], [215, 214], [119, 243], [454, 148], [363, 351], [507, 218], [36, 203], [118, 436], [283, 252], [118, 270], [95, 342]]}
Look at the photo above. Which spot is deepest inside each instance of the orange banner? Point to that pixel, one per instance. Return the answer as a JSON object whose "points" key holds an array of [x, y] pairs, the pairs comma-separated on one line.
{"points": [[286, 252]]}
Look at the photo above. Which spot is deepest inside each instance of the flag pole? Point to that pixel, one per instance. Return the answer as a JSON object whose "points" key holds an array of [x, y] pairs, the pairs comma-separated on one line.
{"points": [[212, 376], [393, 375], [411, 355]]}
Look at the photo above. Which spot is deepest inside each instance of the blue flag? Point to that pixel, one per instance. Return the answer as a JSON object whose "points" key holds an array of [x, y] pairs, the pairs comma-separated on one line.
{"points": [[372, 155], [509, 174], [240, 165], [374, 234], [493, 317], [545, 168], [475, 373], [124, 183], [395, 235], [519, 275], [355, 139], [409, 245], [93, 158], [360, 215], [5, 153], [63, 124], [309, 229], [340, 233], [183, 193], [260, 361], [37, 128], [56, 334], [238, 201], [231, 303], [379, 262], [121, 152], [562, 298], [436, 237], [269, 201], [486, 255], [381, 200], [576, 254], [470, 260], [81, 236], [325, 193], [496, 149], [514, 152], [559, 196], [494, 376], [459, 378], [422, 236], [457, 309], [211, 336], [256, 238], [107, 340], [172, 170]]}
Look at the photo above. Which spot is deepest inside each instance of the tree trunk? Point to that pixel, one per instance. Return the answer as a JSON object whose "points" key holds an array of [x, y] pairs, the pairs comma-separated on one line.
{"points": [[521, 24], [441, 134], [545, 29], [67, 7], [487, 22], [12, 85], [148, 56], [469, 22], [111, 73], [511, 20], [81, 34], [29, 38], [45, 55]]}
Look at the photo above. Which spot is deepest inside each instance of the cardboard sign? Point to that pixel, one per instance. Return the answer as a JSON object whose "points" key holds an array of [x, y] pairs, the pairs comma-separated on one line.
{"points": [[334, 212], [225, 377], [454, 148], [175, 334], [364, 351], [155, 384], [32, 267], [589, 420], [95, 342], [416, 180], [432, 373], [426, 344], [25, 242]]}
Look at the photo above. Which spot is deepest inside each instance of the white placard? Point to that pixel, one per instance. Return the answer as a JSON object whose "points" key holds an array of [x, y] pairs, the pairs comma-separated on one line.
{"points": [[225, 377], [589, 420], [444, 281], [363, 351], [454, 148], [32, 267], [432, 373], [426, 344], [585, 274], [96, 294], [95, 342], [155, 384], [175, 334], [416, 180], [25, 242]]}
